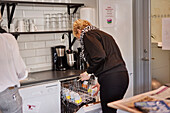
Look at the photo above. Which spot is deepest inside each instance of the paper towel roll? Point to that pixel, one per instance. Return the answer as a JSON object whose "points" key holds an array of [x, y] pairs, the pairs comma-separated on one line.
{"points": [[87, 13]]}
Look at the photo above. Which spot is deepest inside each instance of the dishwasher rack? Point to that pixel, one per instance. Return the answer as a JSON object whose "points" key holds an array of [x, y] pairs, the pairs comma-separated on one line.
{"points": [[75, 94]]}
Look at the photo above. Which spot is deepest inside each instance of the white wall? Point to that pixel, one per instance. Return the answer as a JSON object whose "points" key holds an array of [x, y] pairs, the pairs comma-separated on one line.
{"points": [[122, 33]]}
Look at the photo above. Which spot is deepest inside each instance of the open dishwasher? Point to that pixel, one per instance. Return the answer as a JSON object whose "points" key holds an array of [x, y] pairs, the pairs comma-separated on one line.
{"points": [[77, 96]]}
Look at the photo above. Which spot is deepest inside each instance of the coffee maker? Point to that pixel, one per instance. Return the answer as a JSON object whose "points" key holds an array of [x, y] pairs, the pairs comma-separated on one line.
{"points": [[59, 58]]}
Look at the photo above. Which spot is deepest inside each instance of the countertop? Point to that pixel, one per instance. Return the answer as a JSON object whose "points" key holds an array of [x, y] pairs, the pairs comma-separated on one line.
{"points": [[46, 76]]}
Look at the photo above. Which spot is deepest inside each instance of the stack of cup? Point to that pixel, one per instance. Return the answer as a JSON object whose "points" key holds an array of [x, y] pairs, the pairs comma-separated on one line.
{"points": [[53, 22], [59, 21], [47, 22]]}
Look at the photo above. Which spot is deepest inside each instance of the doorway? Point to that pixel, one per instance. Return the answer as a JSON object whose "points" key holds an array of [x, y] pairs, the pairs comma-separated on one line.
{"points": [[160, 58], [152, 63]]}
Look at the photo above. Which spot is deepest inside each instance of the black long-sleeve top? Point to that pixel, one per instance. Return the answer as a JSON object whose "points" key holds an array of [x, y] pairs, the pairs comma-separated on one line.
{"points": [[102, 52]]}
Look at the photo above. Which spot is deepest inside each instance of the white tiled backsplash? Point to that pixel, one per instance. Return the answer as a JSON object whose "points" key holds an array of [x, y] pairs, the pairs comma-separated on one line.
{"points": [[35, 49]]}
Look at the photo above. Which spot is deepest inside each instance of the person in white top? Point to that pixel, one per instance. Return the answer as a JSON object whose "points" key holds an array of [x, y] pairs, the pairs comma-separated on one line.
{"points": [[12, 69]]}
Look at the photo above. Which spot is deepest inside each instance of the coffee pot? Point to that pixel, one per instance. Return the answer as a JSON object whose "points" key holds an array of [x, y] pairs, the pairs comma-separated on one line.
{"points": [[59, 58], [70, 58]]}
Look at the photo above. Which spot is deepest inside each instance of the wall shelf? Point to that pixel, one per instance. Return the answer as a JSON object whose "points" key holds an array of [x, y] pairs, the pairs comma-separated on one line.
{"points": [[11, 5], [41, 3], [16, 34]]}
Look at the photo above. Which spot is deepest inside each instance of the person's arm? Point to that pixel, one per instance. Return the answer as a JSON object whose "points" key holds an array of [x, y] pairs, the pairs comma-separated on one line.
{"points": [[97, 85], [96, 52], [19, 64]]}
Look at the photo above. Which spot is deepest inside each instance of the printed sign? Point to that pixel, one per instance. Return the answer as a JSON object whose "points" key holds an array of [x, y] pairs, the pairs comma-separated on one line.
{"points": [[109, 18]]}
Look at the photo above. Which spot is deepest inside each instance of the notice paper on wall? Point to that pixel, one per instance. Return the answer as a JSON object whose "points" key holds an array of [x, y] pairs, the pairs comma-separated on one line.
{"points": [[166, 33], [109, 15]]}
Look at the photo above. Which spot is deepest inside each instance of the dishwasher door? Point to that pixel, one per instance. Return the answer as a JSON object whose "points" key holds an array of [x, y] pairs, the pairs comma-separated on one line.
{"points": [[41, 98]]}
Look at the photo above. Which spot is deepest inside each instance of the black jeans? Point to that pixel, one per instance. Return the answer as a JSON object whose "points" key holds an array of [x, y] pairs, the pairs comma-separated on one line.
{"points": [[113, 86]]}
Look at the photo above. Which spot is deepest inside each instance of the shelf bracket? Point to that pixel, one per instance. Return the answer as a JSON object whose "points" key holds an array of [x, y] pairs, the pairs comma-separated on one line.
{"points": [[2, 9], [74, 6], [10, 14], [68, 9], [75, 10]]}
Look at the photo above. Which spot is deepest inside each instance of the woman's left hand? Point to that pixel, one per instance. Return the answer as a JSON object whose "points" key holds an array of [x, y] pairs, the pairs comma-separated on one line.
{"points": [[84, 76], [98, 88]]}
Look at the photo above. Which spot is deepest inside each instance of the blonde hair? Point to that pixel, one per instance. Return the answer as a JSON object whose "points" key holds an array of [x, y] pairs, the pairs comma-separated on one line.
{"points": [[80, 24]]}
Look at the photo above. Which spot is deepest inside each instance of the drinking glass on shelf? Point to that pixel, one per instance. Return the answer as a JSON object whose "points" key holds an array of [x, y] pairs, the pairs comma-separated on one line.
{"points": [[26, 24], [32, 26], [53, 24], [59, 21], [66, 25], [46, 22]]}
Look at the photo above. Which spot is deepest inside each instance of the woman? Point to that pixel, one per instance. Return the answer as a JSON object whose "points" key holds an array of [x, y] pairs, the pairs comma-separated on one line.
{"points": [[12, 69], [105, 61]]}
